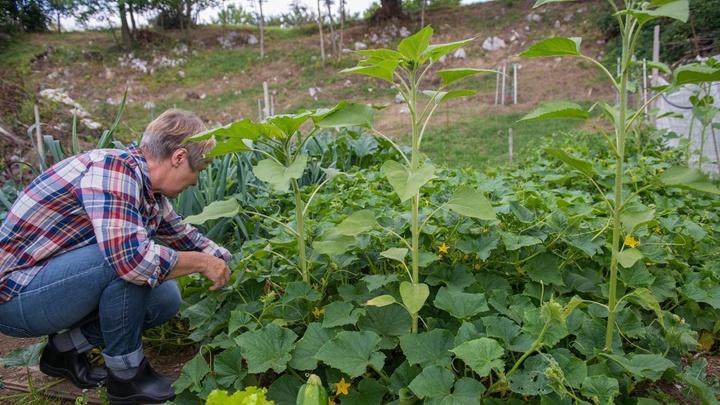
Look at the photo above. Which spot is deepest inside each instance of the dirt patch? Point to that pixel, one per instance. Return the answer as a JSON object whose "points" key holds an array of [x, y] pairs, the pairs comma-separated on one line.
{"points": [[15, 379]]}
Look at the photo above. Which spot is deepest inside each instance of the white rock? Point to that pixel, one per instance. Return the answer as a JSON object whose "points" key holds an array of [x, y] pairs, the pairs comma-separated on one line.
{"points": [[111, 101], [252, 40], [181, 73], [347, 83], [493, 43], [346, 50], [203, 96], [314, 91], [442, 59], [109, 74], [568, 17], [532, 17], [180, 49], [460, 53], [399, 99], [228, 40], [374, 38], [53, 75], [404, 32], [557, 24], [360, 45], [370, 89], [404, 110], [527, 28], [558, 60], [581, 10], [149, 105]]}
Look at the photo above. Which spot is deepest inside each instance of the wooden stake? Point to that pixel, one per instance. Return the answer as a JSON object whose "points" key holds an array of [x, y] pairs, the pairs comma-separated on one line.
{"points": [[39, 138], [502, 92], [510, 145], [266, 99], [515, 74], [497, 86], [656, 54]]}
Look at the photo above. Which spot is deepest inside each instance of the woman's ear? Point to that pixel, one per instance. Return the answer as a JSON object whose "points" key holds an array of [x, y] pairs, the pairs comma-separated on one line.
{"points": [[178, 156]]}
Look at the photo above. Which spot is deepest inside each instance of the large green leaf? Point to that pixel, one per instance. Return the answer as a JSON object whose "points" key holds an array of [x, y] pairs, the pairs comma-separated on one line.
{"points": [[437, 51], [357, 223], [514, 241], [346, 115], [471, 203], [228, 366], [643, 366], [339, 313], [559, 109], [289, 123], [687, 178], [695, 73], [242, 129], [440, 96], [556, 46], [217, 209], [380, 54], [303, 357], [583, 166], [433, 382], [645, 298], [192, 374], [352, 352], [333, 243], [232, 145], [414, 45], [414, 295], [397, 254], [248, 396], [389, 320], [633, 216], [277, 175], [381, 301], [482, 355], [428, 348], [449, 76], [676, 9], [459, 304], [628, 257], [605, 389], [383, 70], [25, 356], [369, 392], [406, 183], [531, 379], [267, 348]]}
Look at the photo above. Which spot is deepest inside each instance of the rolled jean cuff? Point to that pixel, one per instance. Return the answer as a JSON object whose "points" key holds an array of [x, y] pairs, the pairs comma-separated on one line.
{"points": [[125, 361], [79, 340]]}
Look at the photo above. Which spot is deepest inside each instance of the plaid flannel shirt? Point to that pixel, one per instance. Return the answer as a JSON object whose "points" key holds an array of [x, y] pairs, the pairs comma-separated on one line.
{"points": [[105, 197]]}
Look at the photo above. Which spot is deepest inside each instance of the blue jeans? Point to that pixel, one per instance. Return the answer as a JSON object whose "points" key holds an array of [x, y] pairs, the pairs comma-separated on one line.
{"points": [[79, 291]]}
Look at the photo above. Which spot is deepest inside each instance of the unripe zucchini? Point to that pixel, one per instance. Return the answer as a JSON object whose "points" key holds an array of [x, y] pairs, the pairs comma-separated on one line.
{"points": [[312, 392]]}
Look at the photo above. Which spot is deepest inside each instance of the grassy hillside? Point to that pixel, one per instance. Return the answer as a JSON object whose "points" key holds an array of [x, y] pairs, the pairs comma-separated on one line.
{"points": [[224, 83]]}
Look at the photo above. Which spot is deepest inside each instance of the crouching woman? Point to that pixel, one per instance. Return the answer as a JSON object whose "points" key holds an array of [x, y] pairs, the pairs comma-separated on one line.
{"points": [[89, 252]]}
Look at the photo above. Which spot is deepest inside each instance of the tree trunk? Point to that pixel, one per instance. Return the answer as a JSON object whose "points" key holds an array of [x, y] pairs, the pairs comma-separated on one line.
{"points": [[131, 9], [422, 13], [322, 40], [332, 30], [389, 9], [124, 28], [261, 23], [58, 17], [342, 24]]}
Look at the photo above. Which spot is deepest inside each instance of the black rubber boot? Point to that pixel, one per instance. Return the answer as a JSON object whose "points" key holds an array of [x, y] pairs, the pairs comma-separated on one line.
{"points": [[71, 365], [146, 387]]}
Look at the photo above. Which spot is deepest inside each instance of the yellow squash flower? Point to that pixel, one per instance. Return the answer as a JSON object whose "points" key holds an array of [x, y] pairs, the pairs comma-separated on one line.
{"points": [[443, 248], [341, 388], [318, 312], [631, 241]]}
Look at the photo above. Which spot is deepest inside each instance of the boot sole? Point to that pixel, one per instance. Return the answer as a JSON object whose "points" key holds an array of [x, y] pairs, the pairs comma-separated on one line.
{"points": [[63, 373], [137, 399]]}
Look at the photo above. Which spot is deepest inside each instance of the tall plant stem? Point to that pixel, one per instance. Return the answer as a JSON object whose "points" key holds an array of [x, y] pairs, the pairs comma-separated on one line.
{"points": [[414, 215], [620, 131], [300, 229]]}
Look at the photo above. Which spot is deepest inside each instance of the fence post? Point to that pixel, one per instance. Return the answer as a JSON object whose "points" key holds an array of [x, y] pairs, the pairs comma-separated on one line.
{"points": [[502, 92], [510, 145], [497, 86], [515, 74], [266, 98]]}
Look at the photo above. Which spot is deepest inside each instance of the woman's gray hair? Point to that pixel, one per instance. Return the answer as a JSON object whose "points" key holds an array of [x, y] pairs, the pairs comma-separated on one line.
{"points": [[166, 134]]}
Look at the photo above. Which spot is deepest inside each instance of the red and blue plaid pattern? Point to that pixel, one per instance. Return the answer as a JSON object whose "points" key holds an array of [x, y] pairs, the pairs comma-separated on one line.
{"points": [[105, 197]]}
